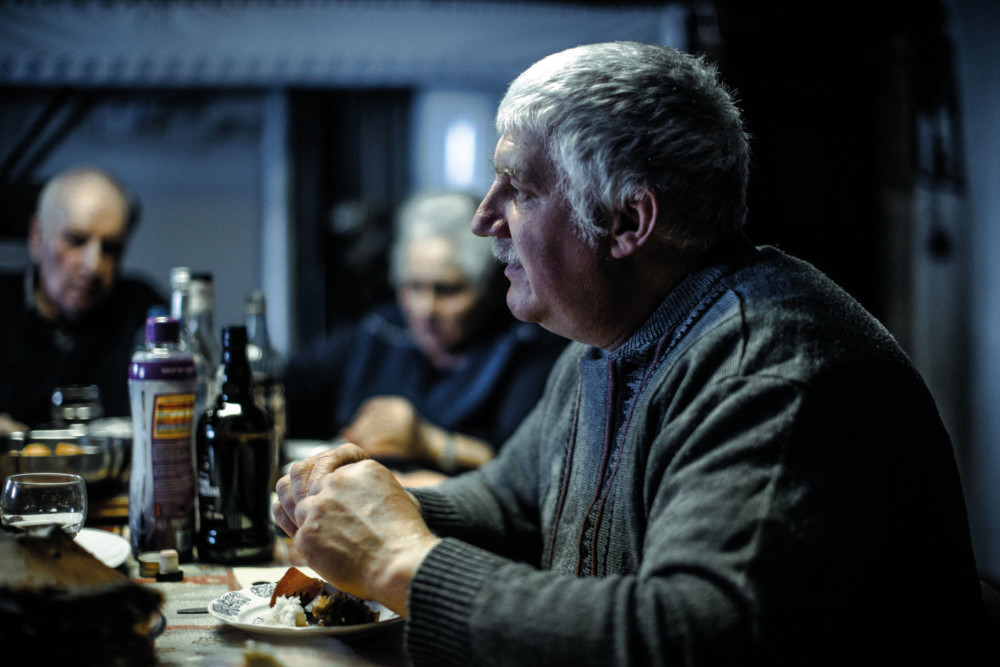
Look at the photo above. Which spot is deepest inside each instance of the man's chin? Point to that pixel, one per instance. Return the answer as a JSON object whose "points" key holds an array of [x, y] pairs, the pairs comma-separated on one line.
{"points": [[75, 313], [80, 307], [519, 306]]}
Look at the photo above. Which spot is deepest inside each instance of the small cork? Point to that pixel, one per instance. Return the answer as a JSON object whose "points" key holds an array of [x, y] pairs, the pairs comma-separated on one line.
{"points": [[168, 570], [168, 561]]}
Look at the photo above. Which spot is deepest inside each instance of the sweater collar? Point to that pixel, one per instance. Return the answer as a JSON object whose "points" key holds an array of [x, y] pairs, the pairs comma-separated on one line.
{"points": [[682, 303]]}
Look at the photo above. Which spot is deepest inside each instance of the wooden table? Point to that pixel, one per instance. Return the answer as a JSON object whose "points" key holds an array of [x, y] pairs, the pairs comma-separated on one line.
{"points": [[198, 638], [203, 640]]}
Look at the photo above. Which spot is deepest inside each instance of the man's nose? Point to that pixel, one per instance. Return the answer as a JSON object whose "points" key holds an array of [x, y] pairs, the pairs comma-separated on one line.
{"points": [[488, 220], [423, 302], [92, 256]]}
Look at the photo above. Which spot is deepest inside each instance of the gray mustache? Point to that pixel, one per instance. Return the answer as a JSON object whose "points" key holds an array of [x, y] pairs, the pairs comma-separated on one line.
{"points": [[503, 250]]}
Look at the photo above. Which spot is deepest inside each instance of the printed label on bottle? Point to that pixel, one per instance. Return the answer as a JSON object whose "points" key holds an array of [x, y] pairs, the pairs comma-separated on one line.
{"points": [[172, 417]]}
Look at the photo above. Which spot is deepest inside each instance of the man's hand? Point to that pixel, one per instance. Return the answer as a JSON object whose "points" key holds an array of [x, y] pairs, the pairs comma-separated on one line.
{"points": [[305, 475], [388, 427], [8, 425], [354, 524]]}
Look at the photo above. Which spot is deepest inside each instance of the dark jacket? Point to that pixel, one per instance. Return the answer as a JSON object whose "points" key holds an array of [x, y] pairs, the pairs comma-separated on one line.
{"points": [[38, 355]]}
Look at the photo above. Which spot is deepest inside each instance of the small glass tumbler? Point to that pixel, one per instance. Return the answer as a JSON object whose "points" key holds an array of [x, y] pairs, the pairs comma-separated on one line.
{"points": [[76, 404], [34, 501]]}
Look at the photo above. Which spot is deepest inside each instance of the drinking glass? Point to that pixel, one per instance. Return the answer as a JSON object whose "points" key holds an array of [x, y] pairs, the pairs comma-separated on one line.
{"points": [[33, 501], [76, 404]]}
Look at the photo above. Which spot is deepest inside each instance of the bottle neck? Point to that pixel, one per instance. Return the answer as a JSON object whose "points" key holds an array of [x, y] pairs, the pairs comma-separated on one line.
{"points": [[180, 305], [237, 378], [201, 304], [257, 330], [162, 346]]}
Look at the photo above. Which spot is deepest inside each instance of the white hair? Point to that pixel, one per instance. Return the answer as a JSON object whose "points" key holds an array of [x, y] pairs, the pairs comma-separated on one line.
{"points": [[622, 117], [444, 215]]}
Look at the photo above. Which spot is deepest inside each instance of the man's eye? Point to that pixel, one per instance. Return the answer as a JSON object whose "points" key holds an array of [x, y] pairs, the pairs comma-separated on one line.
{"points": [[519, 194], [113, 248], [448, 289], [74, 240]]}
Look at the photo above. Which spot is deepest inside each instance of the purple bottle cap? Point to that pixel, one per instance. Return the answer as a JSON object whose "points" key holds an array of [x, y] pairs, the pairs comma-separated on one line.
{"points": [[162, 330]]}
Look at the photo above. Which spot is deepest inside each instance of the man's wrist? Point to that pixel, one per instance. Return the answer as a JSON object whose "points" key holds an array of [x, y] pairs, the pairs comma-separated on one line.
{"points": [[393, 585], [441, 446], [448, 458]]}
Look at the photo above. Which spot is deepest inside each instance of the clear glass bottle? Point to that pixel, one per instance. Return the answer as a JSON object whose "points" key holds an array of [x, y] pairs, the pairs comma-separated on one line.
{"points": [[236, 466], [162, 382], [201, 309], [180, 310], [267, 364]]}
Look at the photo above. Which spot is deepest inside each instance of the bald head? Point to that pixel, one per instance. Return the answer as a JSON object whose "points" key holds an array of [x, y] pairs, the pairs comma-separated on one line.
{"points": [[76, 241]]}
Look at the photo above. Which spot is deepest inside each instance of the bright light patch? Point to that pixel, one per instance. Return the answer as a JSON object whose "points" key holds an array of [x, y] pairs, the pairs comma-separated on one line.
{"points": [[460, 154]]}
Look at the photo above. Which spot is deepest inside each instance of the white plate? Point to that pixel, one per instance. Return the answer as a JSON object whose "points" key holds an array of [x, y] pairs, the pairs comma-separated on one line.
{"points": [[246, 609], [110, 549]]}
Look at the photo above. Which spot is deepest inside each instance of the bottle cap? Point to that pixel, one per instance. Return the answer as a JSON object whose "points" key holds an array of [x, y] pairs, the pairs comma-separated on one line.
{"points": [[168, 561], [180, 278], [149, 564], [202, 293], [234, 335], [168, 566], [162, 330], [256, 304]]}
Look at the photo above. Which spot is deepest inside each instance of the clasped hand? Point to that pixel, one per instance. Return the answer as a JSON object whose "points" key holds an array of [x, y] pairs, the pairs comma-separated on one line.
{"points": [[354, 524]]}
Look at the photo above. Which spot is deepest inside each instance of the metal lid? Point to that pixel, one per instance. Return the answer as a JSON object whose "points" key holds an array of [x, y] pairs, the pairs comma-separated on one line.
{"points": [[162, 330]]}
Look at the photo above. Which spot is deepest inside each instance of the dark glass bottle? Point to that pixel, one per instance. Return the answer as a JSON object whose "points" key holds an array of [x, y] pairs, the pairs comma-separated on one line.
{"points": [[236, 465]]}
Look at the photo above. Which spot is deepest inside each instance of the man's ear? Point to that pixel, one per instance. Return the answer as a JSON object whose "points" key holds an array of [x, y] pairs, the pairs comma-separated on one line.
{"points": [[634, 225], [35, 238]]}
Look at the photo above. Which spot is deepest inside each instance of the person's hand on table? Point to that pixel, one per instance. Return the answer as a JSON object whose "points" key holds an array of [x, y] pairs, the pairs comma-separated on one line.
{"points": [[354, 524], [388, 427], [9, 425]]}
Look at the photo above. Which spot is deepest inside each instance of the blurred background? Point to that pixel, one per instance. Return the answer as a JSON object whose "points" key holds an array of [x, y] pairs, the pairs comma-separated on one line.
{"points": [[268, 142]]}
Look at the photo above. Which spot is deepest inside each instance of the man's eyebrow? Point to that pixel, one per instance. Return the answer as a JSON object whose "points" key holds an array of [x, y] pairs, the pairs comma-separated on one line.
{"points": [[514, 172], [500, 171]]}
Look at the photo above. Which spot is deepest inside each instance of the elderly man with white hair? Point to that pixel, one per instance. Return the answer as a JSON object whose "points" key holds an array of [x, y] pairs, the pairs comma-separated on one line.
{"points": [[71, 319], [733, 464]]}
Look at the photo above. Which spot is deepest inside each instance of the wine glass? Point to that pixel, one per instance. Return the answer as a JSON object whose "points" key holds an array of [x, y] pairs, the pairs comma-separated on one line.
{"points": [[33, 501]]}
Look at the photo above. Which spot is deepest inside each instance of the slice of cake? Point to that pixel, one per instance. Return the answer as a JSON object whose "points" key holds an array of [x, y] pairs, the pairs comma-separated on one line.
{"points": [[296, 583], [321, 606]]}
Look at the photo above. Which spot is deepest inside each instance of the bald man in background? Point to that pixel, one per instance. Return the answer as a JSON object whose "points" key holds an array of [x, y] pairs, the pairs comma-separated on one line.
{"points": [[70, 318]]}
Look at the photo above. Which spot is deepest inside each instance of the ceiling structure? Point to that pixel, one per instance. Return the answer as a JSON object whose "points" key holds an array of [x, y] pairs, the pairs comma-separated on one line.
{"points": [[305, 42]]}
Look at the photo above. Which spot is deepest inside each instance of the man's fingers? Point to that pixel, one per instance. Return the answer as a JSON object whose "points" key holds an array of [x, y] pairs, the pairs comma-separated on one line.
{"points": [[284, 508], [297, 480], [305, 478], [282, 518], [301, 474], [328, 461]]}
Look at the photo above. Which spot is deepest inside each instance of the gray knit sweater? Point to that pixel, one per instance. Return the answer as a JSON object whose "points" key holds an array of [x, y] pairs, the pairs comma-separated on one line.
{"points": [[757, 476]]}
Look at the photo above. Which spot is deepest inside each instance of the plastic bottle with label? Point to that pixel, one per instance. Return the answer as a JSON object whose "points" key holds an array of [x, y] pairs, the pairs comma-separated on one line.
{"points": [[162, 380]]}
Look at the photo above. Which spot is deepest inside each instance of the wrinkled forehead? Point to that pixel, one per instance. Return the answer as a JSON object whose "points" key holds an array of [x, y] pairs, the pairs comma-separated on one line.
{"points": [[524, 157], [86, 207]]}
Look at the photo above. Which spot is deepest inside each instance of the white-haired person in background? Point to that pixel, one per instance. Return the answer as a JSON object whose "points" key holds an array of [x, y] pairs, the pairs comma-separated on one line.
{"points": [[70, 318], [434, 382], [734, 464]]}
